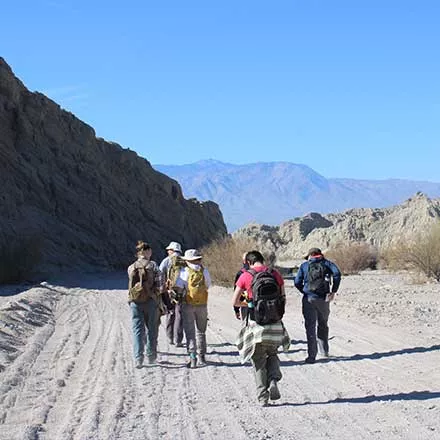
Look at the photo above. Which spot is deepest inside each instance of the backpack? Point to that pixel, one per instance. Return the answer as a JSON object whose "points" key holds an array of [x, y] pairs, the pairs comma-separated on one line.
{"points": [[141, 283], [267, 301], [197, 292], [318, 277], [176, 263]]}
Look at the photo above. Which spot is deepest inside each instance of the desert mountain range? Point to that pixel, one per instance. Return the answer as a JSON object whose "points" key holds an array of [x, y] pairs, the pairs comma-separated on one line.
{"points": [[82, 201], [274, 192]]}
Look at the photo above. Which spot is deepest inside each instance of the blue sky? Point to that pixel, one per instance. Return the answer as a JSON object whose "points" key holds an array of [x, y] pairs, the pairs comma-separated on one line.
{"points": [[349, 87]]}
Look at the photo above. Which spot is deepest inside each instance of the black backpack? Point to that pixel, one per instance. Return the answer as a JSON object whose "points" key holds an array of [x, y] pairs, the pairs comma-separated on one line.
{"points": [[268, 303], [318, 277]]}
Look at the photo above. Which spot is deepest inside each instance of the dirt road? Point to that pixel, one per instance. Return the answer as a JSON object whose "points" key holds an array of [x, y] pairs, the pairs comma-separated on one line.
{"points": [[67, 371]]}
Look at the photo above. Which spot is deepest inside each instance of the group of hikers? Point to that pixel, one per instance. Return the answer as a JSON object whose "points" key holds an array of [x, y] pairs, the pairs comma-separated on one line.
{"points": [[178, 289]]}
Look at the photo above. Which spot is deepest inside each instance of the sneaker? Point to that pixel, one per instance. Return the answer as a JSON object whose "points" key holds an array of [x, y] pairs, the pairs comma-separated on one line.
{"points": [[192, 361], [310, 360], [263, 402], [139, 362], [274, 392], [201, 360]]}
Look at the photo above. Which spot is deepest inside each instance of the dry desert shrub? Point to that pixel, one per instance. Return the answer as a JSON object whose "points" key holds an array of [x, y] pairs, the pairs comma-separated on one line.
{"points": [[351, 258], [223, 258], [18, 258], [420, 254], [393, 257]]}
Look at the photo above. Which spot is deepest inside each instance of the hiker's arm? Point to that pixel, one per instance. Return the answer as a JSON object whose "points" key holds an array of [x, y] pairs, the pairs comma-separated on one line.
{"points": [[236, 297], [336, 273], [207, 278], [299, 279], [158, 279]]}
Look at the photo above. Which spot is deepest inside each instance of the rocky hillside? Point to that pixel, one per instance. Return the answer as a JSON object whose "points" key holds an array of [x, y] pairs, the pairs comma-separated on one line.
{"points": [[379, 227], [274, 192], [82, 201]]}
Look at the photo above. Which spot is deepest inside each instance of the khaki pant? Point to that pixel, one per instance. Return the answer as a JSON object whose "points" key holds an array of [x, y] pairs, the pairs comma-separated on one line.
{"points": [[266, 368], [195, 321]]}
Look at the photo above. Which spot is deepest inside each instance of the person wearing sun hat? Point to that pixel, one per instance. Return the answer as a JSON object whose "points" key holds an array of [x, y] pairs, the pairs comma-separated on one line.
{"points": [[174, 322], [195, 280]]}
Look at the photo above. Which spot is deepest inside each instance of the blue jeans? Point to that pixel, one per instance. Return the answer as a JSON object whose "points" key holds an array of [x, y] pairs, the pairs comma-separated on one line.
{"points": [[144, 315]]}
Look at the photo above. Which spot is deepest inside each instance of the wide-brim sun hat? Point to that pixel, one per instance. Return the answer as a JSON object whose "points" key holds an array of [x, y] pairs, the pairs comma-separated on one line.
{"points": [[192, 254], [174, 246]]}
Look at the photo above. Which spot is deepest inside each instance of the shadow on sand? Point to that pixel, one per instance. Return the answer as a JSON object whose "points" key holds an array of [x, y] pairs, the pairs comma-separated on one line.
{"points": [[413, 395]]}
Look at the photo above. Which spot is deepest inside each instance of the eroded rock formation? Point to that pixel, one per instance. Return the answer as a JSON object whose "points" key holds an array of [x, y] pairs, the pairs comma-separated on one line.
{"points": [[378, 227], [84, 201]]}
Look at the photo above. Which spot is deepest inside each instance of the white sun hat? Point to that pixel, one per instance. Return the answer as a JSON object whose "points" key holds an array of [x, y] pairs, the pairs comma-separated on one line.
{"points": [[174, 246], [192, 254]]}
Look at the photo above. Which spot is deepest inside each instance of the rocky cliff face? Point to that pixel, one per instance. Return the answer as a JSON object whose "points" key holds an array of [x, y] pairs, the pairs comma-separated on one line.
{"points": [[82, 200], [379, 227]]}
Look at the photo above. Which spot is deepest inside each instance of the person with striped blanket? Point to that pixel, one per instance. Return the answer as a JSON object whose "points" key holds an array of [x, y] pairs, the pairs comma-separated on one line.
{"points": [[259, 343]]}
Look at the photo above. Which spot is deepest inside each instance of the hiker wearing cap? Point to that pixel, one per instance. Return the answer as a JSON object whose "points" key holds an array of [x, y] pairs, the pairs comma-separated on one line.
{"points": [[195, 280], [168, 267], [144, 287], [318, 280]]}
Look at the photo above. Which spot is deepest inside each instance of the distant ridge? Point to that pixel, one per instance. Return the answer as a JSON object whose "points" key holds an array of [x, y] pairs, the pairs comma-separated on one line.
{"points": [[274, 192]]}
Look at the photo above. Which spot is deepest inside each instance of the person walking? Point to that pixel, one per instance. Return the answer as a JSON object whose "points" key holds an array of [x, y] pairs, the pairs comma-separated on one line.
{"points": [[259, 342], [170, 268], [241, 312], [195, 280], [318, 279], [144, 287]]}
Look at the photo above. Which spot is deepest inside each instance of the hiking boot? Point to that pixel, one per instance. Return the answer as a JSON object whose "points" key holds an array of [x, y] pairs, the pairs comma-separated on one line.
{"points": [[274, 392], [139, 362], [201, 360], [310, 360]]}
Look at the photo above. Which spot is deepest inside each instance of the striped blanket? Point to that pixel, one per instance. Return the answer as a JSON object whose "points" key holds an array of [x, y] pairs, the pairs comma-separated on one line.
{"points": [[253, 334]]}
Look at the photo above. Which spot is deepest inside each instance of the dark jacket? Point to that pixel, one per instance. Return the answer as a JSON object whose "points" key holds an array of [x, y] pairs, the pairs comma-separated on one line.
{"points": [[301, 278]]}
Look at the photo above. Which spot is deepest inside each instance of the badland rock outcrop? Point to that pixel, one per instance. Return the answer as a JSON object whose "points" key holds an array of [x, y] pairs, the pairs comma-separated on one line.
{"points": [[378, 227], [81, 200]]}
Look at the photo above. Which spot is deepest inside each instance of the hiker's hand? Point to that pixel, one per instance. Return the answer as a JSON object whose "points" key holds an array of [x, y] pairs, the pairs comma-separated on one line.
{"points": [[237, 315], [331, 296]]}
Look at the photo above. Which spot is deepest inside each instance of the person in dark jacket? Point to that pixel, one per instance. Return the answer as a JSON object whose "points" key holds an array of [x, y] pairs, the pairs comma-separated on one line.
{"points": [[317, 295]]}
